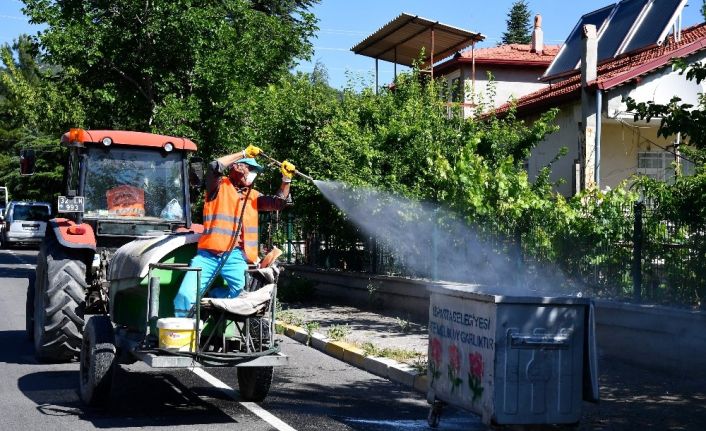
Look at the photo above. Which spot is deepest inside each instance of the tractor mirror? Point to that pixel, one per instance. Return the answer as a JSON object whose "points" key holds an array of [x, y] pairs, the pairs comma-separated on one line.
{"points": [[27, 161], [196, 172]]}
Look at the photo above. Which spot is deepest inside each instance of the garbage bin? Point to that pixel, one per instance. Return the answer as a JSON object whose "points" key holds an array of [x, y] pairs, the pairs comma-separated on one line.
{"points": [[513, 360]]}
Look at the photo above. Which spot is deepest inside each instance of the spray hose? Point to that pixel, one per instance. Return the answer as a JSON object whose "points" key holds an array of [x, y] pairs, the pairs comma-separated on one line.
{"points": [[278, 163]]}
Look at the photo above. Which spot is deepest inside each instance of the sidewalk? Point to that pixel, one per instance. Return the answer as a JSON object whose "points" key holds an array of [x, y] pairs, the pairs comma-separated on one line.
{"points": [[631, 398]]}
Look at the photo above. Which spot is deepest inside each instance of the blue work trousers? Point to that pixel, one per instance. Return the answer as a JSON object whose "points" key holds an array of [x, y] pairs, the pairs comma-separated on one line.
{"points": [[233, 272]]}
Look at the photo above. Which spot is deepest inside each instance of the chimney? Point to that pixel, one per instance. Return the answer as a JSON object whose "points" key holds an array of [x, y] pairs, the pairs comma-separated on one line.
{"points": [[537, 36], [590, 115], [589, 57]]}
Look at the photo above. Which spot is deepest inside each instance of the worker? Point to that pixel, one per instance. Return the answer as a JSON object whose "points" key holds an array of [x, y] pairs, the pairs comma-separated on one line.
{"points": [[225, 196]]}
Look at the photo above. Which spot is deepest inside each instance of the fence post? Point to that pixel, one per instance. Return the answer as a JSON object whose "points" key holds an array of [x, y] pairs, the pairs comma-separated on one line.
{"points": [[637, 252], [519, 259], [289, 237], [435, 246]]}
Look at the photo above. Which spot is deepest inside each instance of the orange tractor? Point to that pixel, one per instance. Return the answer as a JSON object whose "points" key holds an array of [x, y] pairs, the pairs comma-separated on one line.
{"points": [[107, 272]]}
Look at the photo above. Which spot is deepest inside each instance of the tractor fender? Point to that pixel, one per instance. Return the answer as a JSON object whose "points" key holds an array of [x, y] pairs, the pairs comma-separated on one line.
{"points": [[71, 235], [131, 261]]}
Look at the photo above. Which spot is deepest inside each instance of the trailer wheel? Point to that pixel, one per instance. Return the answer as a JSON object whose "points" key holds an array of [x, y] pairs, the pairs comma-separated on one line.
{"points": [[434, 416], [254, 382], [59, 303], [29, 307], [97, 361]]}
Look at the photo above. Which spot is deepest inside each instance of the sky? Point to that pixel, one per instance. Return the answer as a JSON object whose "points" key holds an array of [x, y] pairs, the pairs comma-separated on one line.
{"points": [[344, 23]]}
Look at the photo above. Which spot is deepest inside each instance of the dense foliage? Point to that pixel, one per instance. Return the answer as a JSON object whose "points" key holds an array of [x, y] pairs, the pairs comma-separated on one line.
{"points": [[218, 72], [519, 28], [175, 66]]}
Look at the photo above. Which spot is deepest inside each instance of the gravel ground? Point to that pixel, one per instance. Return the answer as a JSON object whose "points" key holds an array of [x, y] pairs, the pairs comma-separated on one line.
{"points": [[632, 398]]}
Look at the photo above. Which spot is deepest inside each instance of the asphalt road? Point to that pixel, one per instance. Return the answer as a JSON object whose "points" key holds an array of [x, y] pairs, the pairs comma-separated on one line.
{"points": [[315, 392]]}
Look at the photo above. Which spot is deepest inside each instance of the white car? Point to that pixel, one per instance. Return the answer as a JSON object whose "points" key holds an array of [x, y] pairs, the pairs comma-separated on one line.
{"points": [[25, 223]]}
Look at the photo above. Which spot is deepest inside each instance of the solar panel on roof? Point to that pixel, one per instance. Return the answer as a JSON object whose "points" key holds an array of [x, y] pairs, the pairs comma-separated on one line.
{"points": [[618, 27], [659, 16], [570, 54], [623, 27]]}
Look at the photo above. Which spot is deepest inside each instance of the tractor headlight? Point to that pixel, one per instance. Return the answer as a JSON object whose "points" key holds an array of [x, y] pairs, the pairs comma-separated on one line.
{"points": [[107, 141], [168, 147]]}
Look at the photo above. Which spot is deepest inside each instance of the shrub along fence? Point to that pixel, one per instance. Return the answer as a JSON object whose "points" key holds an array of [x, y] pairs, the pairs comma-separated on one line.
{"points": [[642, 258]]}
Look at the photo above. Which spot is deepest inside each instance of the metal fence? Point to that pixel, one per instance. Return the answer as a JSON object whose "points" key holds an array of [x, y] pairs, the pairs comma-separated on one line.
{"points": [[642, 257]]}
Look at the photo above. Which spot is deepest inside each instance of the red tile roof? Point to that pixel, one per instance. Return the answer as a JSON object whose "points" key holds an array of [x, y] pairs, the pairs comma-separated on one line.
{"points": [[615, 72], [513, 53]]}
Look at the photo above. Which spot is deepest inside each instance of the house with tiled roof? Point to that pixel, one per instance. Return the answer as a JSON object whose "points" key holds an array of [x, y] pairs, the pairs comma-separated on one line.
{"points": [[614, 147], [514, 69]]}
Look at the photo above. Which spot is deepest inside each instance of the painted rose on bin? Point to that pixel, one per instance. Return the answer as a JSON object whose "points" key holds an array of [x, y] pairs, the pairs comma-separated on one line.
{"points": [[454, 367], [476, 360], [435, 363], [475, 377]]}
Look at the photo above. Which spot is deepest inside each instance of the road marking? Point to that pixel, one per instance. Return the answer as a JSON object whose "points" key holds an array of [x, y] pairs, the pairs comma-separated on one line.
{"points": [[254, 408], [267, 416]]}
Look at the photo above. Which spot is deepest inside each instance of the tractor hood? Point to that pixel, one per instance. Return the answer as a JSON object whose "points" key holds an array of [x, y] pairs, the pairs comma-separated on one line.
{"points": [[132, 260]]}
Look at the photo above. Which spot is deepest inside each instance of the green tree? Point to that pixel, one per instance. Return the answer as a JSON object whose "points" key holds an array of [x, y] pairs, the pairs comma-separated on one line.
{"points": [[34, 109], [34, 96], [703, 9], [172, 66], [519, 28]]}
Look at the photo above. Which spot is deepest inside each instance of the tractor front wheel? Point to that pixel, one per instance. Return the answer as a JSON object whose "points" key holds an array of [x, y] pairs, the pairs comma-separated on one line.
{"points": [[58, 303], [254, 382], [97, 361]]}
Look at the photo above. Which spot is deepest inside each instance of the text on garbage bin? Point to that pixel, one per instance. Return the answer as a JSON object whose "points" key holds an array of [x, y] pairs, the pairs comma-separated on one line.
{"points": [[461, 318], [443, 331]]}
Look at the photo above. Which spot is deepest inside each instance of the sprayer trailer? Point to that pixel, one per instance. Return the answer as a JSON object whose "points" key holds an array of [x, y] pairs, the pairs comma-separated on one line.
{"points": [[144, 278]]}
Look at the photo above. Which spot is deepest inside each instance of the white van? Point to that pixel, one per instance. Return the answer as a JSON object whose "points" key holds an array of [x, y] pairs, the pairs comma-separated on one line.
{"points": [[25, 223]]}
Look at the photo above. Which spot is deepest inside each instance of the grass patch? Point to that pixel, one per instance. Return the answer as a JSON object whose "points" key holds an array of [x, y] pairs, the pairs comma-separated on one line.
{"points": [[399, 355], [420, 364], [290, 317], [310, 327], [338, 332], [405, 325]]}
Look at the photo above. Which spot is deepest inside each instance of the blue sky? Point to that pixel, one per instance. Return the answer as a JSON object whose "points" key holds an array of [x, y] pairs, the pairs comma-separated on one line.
{"points": [[344, 23]]}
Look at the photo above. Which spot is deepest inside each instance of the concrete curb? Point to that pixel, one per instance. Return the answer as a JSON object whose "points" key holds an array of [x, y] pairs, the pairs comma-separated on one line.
{"points": [[382, 367]]}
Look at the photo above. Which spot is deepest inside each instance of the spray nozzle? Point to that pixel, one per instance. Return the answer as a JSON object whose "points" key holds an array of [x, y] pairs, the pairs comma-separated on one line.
{"points": [[279, 164]]}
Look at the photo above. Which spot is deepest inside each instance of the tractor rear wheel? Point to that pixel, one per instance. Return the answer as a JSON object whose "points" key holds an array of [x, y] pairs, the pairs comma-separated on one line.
{"points": [[254, 382], [97, 361], [59, 303]]}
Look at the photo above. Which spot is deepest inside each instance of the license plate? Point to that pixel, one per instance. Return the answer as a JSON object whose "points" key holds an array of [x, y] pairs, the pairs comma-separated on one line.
{"points": [[30, 226], [70, 205]]}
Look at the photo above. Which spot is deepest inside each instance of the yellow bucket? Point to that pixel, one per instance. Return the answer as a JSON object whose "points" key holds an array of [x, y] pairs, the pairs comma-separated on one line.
{"points": [[177, 333]]}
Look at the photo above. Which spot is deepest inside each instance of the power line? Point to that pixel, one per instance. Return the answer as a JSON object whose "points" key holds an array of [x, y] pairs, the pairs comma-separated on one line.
{"points": [[343, 31], [323, 48], [666, 149]]}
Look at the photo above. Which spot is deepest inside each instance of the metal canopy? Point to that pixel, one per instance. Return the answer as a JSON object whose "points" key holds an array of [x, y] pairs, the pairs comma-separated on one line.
{"points": [[401, 40]]}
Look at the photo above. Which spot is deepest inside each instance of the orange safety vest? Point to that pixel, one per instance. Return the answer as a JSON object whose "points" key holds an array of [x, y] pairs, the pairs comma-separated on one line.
{"points": [[220, 220]]}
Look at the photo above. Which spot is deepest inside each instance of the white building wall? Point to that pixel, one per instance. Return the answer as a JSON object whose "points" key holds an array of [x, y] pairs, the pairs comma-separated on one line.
{"points": [[658, 87], [567, 119], [509, 84]]}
